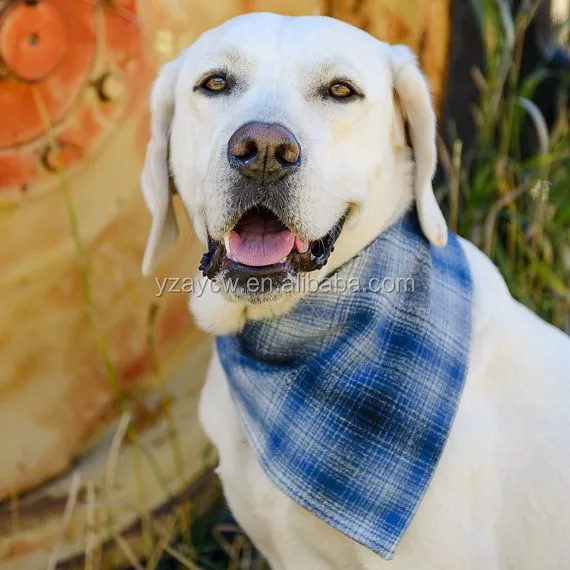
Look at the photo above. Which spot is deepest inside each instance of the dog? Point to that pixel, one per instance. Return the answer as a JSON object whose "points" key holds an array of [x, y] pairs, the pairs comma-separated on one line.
{"points": [[294, 143]]}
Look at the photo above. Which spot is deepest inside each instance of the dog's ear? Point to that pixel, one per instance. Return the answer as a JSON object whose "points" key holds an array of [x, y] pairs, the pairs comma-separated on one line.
{"points": [[413, 106], [155, 178]]}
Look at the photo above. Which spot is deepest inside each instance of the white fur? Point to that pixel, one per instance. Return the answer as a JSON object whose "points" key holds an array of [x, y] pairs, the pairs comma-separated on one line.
{"points": [[500, 498]]}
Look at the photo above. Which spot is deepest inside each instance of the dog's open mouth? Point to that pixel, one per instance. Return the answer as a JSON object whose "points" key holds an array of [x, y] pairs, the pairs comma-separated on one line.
{"points": [[260, 244], [260, 239]]}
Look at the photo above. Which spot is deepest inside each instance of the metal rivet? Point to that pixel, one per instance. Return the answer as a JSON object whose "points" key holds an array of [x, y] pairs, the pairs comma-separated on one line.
{"points": [[109, 87]]}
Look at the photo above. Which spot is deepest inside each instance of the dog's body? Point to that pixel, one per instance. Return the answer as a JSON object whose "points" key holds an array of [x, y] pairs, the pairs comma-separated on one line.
{"points": [[500, 496]]}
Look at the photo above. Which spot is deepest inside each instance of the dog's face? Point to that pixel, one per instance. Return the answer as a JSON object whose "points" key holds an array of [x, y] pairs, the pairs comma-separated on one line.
{"points": [[276, 131]]}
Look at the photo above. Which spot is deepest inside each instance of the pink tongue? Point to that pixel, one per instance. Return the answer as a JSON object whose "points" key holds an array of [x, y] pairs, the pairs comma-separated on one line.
{"points": [[260, 242]]}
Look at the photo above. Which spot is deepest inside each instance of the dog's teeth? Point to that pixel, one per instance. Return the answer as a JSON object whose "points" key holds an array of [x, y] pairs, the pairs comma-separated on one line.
{"points": [[227, 245]]}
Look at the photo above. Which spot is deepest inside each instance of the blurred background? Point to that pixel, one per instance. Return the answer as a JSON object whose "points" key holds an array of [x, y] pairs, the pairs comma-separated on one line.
{"points": [[102, 462]]}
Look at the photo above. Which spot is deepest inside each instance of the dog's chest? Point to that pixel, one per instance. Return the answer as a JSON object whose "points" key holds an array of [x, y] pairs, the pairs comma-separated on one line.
{"points": [[292, 538]]}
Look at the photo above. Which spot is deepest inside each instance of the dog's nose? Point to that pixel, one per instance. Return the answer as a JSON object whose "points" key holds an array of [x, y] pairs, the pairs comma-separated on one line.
{"points": [[264, 152]]}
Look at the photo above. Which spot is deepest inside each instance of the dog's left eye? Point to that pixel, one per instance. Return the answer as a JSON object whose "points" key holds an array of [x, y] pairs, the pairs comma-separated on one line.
{"points": [[341, 90]]}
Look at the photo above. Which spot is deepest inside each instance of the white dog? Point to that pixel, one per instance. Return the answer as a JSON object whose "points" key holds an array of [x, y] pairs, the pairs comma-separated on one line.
{"points": [[275, 131]]}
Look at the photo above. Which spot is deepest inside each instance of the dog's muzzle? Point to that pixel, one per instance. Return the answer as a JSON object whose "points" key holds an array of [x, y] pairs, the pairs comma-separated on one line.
{"points": [[261, 242]]}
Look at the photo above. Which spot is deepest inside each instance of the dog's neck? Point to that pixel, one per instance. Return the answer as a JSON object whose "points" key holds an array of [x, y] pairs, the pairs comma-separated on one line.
{"points": [[218, 315]]}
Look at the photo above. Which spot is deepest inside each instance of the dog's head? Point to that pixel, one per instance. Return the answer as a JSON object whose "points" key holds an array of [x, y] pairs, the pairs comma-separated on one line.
{"points": [[281, 134]]}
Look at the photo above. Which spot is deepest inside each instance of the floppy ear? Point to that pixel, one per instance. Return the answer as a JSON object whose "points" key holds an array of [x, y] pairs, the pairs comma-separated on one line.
{"points": [[155, 178], [413, 102]]}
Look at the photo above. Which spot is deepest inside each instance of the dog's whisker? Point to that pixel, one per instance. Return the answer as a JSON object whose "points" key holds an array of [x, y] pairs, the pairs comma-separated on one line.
{"points": [[311, 306]]}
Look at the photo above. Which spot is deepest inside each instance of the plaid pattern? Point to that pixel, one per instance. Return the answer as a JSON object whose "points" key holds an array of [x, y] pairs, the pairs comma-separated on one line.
{"points": [[348, 399]]}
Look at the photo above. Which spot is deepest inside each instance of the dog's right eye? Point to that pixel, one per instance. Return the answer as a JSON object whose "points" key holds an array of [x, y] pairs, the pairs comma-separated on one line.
{"points": [[214, 83]]}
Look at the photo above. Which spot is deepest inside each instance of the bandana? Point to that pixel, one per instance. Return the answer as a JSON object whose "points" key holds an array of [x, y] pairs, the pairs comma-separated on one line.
{"points": [[347, 400]]}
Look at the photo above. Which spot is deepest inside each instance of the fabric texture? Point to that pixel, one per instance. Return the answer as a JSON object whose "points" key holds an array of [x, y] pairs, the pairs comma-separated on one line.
{"points": [[347, 400]]}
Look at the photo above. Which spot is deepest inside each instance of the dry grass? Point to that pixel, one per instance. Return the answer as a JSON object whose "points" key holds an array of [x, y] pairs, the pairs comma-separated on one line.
{"points": [[515, 208]]}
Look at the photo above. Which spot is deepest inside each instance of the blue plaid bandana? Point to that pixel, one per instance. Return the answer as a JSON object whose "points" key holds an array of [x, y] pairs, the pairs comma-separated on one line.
{"points": [[347, 400]]}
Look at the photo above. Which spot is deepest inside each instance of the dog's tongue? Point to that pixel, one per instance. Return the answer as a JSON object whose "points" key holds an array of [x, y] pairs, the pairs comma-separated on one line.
{"points": [[260, 240]]}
